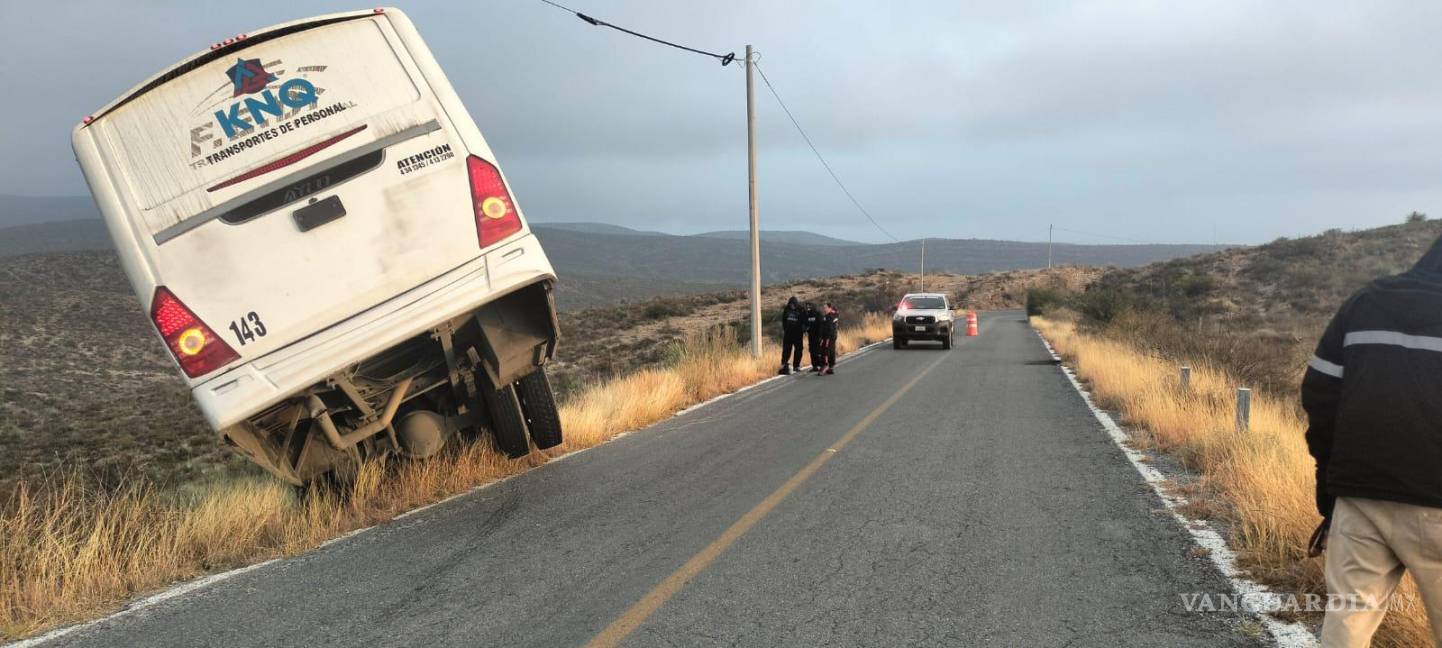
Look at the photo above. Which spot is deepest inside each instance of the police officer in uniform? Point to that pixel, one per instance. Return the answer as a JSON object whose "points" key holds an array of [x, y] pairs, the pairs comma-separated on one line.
{"points": [[830, 328], [1373, 396], [792, 328], [811, 317]]}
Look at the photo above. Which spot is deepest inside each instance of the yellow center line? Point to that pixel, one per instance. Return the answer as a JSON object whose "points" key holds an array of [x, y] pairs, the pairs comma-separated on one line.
{"points": [[637, 614]]}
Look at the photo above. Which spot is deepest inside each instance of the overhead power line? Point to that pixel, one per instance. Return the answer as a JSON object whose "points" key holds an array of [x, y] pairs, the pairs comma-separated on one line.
{"points": [[725, 59], [819, 157]]}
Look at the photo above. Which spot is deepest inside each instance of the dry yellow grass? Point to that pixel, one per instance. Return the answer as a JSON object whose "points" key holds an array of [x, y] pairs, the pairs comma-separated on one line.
{"points": [[68, 553], [711, 366], [1264, 476]]}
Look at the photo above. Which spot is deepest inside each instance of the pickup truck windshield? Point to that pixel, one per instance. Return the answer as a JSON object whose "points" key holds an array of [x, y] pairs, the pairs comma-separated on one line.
{"points": [[924, 303]]}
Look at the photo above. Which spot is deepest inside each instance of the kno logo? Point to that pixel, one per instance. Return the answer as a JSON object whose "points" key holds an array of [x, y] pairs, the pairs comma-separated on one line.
{"points": [[250, 78]]}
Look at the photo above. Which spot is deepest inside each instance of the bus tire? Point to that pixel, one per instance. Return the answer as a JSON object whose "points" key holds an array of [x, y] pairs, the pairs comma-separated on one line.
{"points": [[538, 403], [508, 423]]}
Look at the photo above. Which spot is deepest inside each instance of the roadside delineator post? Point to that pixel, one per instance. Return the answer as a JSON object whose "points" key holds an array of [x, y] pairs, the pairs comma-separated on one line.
{"points": [[971, 323], [1244, 409], [1186, 382]]}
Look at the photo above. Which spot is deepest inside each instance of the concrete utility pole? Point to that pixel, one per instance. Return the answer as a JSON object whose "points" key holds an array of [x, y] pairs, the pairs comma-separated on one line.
{"points": [[1244, 409], [923, 265], [755, 228], [1048, 246]]}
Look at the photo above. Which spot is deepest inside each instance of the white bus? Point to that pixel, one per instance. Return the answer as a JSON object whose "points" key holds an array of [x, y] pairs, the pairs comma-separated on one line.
{"points": [[327, 247]]}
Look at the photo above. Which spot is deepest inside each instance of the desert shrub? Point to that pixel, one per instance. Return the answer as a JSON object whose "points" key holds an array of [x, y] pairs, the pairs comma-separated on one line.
{"points": [[1195, 285], [1040, 301], [1262, 267], [876, 300], [665, 308], [1102, 305], [740, 331], [1261, 358], [1416, 217], [1310, 247]]}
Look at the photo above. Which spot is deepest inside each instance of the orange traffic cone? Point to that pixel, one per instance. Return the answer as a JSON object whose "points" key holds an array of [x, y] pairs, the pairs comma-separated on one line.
{"points": [[971, 323]]}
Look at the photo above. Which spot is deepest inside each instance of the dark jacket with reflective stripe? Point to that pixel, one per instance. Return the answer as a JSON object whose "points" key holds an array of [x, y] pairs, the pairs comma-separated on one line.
{"points": [[1373, 393], [811, 320], [830, 326], [792, 321]]}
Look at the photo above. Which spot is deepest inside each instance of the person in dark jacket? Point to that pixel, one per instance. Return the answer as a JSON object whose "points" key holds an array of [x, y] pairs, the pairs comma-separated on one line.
{"points": [[1373, 396], [811, 317], [830, 328], [792, 328]]}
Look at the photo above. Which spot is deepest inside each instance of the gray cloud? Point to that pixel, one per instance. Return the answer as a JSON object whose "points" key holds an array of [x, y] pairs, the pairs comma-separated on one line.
{"points": [[1155, 121]]}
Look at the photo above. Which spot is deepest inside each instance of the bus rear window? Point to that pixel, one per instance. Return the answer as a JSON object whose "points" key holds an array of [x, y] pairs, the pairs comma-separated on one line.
{"points": [[234, 114]]}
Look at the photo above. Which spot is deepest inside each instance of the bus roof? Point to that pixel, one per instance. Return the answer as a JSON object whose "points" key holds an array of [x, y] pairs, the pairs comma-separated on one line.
{"points": [[225, 48]]}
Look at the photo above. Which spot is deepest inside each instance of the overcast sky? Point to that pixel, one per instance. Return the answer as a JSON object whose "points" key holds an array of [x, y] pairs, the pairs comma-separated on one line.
{"points": [[1153, 121]]}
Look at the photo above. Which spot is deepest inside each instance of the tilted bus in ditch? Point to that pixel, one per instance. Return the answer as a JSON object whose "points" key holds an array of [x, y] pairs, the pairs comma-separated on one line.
{"points": [[327, 247]]}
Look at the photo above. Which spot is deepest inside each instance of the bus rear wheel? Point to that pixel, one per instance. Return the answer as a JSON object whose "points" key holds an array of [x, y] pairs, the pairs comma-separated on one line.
{"points": [[538, 403], [508, 422]]}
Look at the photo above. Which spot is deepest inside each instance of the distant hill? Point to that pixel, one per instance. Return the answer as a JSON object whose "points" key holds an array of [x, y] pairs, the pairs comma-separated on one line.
{"points": [[701, 259], [577, 290], [597, 228], [28, 210], [608, 262], [61, 236], [1286, 286], [796, 237]]}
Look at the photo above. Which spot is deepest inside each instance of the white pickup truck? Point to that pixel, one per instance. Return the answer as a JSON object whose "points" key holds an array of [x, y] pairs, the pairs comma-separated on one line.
{"points": [[327, 247]]}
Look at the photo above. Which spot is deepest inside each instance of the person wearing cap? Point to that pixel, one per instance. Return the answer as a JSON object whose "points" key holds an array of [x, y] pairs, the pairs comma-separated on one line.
{"points": [[1373, 397]]}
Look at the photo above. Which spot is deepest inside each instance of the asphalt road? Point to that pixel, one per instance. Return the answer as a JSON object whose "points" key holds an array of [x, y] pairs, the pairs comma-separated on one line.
{"points": [[917, 497]]}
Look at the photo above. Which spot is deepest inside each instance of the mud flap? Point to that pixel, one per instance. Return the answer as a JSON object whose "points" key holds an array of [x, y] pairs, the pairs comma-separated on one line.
{"points": [[518, 333]]}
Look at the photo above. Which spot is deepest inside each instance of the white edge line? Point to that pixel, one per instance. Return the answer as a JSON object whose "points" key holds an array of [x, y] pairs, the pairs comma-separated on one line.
{"points": [[1253, 595], [204, 581], [159, 597]]}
